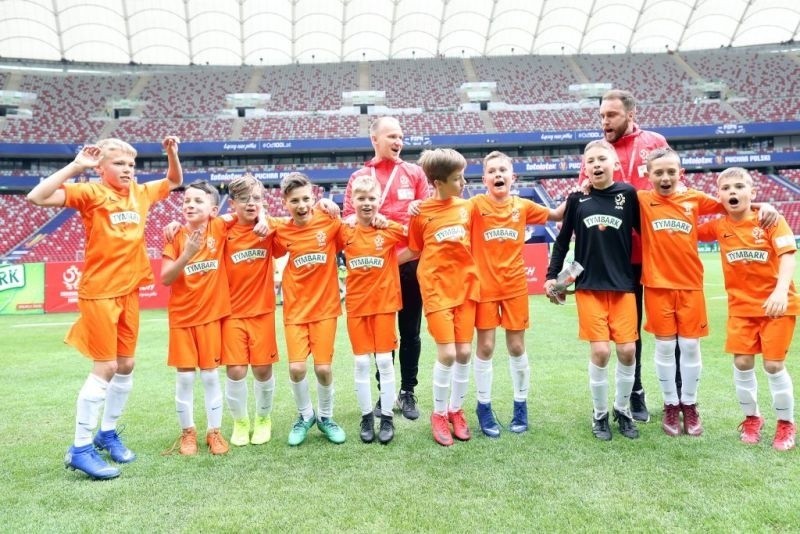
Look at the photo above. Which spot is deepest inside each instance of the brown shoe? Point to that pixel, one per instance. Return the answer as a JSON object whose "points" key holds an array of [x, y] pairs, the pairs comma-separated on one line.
{"points": [[188, 442], [216, 443]]}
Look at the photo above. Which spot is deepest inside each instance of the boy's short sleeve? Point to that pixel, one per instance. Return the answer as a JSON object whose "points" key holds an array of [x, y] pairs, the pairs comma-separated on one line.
{"points": [[415, 234], [707, 231]]}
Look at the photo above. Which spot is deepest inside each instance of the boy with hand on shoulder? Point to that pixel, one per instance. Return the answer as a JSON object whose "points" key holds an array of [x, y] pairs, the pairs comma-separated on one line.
{"points": [[193, 265], [758, 264], [248, 333], [448, 280], [498, 237], [114, 212], [603, 222], [372, 301], [310, 303]]}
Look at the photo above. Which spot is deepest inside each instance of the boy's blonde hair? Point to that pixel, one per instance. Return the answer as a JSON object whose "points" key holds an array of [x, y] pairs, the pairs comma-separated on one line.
{"points": [[292, 181], [440, 163], [736, 172], [663, 152], [495, 154], [243, 185], [112, 144], [601, 143], [207, 188], [365, 184]]}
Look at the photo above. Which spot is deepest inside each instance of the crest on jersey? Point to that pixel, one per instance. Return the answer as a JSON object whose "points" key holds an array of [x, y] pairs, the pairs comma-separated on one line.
{"points": [[687, 208], [462, 215], [758, 234], [404, 181], [322, 239], [379, 242], [211, 244], [619, 201], [515, 215]]}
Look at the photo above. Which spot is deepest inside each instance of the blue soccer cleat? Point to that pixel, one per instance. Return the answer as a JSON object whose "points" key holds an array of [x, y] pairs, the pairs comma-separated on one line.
{"points": [[487, 421], [519, 421], [87, 460], [109, 440]]}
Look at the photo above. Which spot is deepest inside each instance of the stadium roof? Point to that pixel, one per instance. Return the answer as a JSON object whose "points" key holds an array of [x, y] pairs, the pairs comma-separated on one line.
{"points": [[253, 32]]}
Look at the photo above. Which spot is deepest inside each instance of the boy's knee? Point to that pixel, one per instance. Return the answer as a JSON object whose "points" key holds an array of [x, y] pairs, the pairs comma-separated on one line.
{"points": [[773, 366]]}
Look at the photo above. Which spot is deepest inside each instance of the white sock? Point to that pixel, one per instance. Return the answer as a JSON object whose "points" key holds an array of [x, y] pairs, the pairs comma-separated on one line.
{"points": [[691, 368], [780, 385], [119, 388], [325, 400], [87, 410], [520, 376], [746, 390], [598, 386], [264, 392], [361, 368], [665, 370], [302, 398], [459, 385], [213, 397], [624, 377], [184, 398], [236, 395], [483, 370], [386, 372], [442, 375]]}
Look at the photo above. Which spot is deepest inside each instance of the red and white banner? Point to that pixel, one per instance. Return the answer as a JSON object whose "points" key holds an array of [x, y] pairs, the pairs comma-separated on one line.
{"points": [[536, 260], [61, 287]]}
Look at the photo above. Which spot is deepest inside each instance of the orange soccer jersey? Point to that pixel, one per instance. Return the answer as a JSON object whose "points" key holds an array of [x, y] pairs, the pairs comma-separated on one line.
{"points": [[200, 294], [248, 266], [310, 279], [498, 235], [446, 272], [373, 278], [669, 238], [750, 258], [116, 260]]}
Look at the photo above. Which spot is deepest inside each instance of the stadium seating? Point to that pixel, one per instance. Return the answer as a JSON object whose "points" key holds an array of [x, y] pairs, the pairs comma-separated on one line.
{"points": [[308, 87], [19, 219], [430, 84]]}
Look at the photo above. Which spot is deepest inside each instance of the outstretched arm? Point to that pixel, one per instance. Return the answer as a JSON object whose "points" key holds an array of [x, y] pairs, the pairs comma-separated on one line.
{"points": [[174, 169], [48, 192]]}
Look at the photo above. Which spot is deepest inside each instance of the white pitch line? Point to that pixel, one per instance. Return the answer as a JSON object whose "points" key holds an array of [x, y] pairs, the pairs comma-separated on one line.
{"points": [[33, 325]]}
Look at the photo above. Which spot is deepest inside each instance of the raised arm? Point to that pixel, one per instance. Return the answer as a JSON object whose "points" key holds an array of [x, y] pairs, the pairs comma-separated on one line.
{"points": [[174, 169], [48, 192]]}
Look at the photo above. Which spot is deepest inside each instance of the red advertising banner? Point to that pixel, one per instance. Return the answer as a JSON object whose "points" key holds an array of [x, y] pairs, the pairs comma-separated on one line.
{"points": [[536, 260], [61, 281]]}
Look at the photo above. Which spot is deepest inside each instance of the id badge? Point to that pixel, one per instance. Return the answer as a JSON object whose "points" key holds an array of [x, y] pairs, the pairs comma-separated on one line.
{"points": [[404, 193]]}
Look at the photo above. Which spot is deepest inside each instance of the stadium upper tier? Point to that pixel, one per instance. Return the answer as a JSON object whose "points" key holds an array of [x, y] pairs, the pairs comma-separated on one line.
{"points": [[306, 101]]}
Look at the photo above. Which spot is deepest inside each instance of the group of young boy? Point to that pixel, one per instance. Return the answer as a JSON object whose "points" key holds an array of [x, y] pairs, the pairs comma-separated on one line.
{"points": [[471, 275]]}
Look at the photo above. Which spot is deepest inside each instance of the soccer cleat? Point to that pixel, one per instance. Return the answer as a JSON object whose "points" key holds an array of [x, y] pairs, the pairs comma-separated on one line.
{"points": [[487, 421], [441, 429], [519, 421], [460, 426], [241, 432], [626, 425], [691, 420], [109, 440], [386, 430], [216, 443], [638, 407], [87, 460], [331, 429], [750, 429], [376, 413], [300, 430], [601, 428], [368, 428], [262, 430], [671, 422], [407, 403], [784, 436], [188, 442]]}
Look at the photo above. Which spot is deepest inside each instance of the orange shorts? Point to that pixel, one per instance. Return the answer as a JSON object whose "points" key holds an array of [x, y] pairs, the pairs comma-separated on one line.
{"points": [[249, 340], [106, 328], [453, 325], [675, 311], [195, 346], [315, 338], [606, 316], [373, 333], [760, 335], [511, 314]]}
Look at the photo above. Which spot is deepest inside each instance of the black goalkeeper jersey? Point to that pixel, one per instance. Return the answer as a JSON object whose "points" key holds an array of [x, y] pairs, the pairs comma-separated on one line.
{"points": [[602, 223]]}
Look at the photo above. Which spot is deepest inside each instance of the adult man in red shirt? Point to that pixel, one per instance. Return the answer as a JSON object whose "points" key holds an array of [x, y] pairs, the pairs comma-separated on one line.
{"points": [[401, 184]]}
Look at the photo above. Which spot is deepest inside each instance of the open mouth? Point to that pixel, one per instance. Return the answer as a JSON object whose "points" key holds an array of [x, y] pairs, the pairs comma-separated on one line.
{"points": [[499, 183], [733, 201]]}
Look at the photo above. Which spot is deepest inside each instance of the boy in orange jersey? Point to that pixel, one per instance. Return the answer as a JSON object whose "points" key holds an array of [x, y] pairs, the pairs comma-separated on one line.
{"points": [[248, 334], [116, 266], [372, 301], [310, 303], [672, 276], [603, 222], [758, 264], [498, 236], [199, 299], [448, 280]]}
